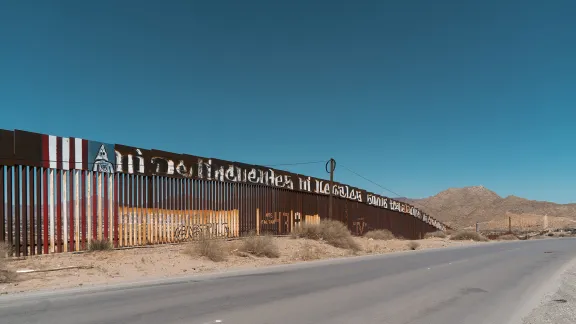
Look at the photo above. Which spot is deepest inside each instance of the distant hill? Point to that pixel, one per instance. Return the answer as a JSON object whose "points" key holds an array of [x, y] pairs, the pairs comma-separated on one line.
{"points": [[463, 207]]}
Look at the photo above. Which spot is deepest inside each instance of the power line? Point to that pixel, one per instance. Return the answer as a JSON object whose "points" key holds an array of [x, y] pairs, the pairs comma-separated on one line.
{"points": [[372, 182], [379, 185]]}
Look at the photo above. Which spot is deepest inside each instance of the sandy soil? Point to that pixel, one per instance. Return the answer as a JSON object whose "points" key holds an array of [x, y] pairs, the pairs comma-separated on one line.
{"points": [[170, 260]]}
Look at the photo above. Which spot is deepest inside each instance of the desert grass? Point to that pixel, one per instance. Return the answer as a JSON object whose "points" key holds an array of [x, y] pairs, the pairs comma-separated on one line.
{"points": [[262, 246], [380, 235], [468, 235], [332, 232], [100, 245], [507, 237], [413, 245], [6, 275], [438, 234], [212, 249]]}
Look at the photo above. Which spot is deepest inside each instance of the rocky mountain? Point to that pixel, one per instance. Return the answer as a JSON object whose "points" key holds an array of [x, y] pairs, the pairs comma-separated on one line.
{"points": [[463, 207]]}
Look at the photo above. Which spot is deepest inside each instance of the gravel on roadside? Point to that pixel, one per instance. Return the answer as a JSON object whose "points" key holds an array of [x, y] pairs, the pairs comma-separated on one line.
{"points": [[559, 307]]}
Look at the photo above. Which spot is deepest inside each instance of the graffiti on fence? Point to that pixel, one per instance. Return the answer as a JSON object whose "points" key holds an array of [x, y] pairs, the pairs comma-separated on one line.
{"points": [[359, 226], [269, 218], [197, 231], [101, 161]]}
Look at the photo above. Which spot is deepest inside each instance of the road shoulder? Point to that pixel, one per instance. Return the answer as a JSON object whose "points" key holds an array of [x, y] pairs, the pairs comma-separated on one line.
{"points": [[558, 306]]}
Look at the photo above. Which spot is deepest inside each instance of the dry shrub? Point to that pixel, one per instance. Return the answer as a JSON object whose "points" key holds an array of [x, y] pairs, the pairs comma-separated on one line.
{"points": [[100, 245], [260, 246], [507, 237], [212, 249], [438, 234], [308, 252], [332, 232], [468, 235], [5, 250], [380, 235], [412, 245], [5, 275]]}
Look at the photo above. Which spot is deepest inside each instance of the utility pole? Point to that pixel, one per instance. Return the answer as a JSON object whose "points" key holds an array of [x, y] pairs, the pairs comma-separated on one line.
{"points": [[332, 163]]}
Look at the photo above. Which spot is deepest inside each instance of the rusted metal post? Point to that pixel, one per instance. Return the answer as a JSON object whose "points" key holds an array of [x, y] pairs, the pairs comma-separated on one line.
{"points": [[331, 171], [476, 227], [509, 224]]}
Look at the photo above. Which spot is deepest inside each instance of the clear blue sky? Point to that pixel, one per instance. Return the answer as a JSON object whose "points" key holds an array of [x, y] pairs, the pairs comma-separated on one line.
{"points": [[416, 95]]}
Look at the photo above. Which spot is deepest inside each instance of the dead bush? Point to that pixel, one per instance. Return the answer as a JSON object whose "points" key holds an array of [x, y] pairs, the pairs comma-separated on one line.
{"points": [[412, 245], [438, 234], [468, 235], [507, 237], [5, 275], [260, 246], [213, 249], [332, 232], [308, 252], [100, 245], [380, 235], [5, 250]]}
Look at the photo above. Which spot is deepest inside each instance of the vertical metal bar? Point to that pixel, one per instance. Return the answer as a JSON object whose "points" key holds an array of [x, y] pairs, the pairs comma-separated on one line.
{"points": [[50, 203], [72, 212], [94, 215], [116, 196], [24, 228], [65, 210], [136, 209], [85, 199], [144, 210], [89, 209], [2, 211], [110, 204], [125, 217], [18, 200], [31, 221], [139, 207], [100, 218], [104, 179], [77, 199], [9, 205], [130, 213], [40, 184]]}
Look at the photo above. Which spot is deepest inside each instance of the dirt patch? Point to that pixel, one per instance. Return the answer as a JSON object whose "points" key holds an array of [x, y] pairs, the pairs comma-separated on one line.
{"points": [[105, 267]]}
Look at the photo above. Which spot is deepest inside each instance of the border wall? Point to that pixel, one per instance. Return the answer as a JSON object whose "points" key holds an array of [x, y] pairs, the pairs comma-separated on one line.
{"points": [[59, 193]]}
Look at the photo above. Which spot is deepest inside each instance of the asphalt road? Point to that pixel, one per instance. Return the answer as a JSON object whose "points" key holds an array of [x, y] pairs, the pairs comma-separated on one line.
{"points": [[489, 283]]}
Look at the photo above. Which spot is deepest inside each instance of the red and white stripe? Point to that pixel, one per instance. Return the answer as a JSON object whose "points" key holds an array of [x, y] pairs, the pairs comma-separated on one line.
{"points": [[64, 153]]}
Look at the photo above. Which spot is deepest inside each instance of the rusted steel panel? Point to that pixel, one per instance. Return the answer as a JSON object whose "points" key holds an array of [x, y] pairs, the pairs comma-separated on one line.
{"points": [[6, 147], [28, 148]]}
